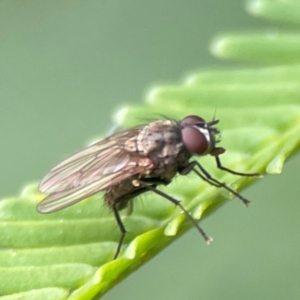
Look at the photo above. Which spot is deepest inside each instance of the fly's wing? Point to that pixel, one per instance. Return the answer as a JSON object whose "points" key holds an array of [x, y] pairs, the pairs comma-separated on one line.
{"points": [[94, 169]]}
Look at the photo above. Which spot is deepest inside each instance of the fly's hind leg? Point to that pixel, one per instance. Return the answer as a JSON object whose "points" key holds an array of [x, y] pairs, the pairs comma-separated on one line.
{"points": [[147, 184], [122, 229], [115, 209]]}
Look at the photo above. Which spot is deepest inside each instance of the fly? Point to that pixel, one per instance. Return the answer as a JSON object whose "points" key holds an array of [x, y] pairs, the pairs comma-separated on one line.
{"points": [[134, 161]]}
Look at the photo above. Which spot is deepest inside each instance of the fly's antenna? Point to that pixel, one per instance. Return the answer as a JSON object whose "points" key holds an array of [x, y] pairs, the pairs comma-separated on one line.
{"points": [[214, 120], [215, 113], [212, 123]]}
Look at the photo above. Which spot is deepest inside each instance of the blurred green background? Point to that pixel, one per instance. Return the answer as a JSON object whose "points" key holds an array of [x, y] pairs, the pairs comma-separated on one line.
{"points": [[65, 66]]}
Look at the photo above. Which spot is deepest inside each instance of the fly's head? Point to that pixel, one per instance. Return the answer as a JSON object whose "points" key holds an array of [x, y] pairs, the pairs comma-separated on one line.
{"points": [[199, 136]]}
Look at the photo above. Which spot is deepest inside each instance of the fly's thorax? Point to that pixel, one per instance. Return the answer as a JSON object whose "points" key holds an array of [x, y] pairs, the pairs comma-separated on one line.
{"points": [[166, 168], [158, 139]]}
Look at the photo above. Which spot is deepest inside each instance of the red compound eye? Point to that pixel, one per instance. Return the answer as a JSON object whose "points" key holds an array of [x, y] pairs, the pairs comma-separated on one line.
{"points": [[192, 120], [196, 140]]}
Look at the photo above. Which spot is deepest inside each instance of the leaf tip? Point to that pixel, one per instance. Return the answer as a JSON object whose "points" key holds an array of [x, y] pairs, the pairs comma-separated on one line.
{"points": [[276, 165]]}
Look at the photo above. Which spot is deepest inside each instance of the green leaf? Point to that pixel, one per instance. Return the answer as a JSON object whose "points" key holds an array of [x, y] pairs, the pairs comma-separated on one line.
{"points": [[270, 47], [45, 294], [68, 254], [275, 10]]}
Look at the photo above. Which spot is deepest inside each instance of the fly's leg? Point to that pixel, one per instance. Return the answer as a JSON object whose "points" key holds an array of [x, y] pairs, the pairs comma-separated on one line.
{"points": [[219, 166], [216, 152], [115, 210], [149, 184], [177, 203], [122, 228], [190, 167], [208, 178]]}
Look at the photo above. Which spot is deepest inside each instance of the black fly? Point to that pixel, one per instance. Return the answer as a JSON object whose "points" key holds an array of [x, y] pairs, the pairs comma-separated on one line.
{"points": [[135, 161]]}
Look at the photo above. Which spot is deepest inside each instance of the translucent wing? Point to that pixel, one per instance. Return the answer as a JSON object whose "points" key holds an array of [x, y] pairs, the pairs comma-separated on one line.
{"points": [[95, 168]]}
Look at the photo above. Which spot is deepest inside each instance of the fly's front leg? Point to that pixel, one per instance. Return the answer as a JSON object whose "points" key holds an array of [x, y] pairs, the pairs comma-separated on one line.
{"points": [[219, 166]]}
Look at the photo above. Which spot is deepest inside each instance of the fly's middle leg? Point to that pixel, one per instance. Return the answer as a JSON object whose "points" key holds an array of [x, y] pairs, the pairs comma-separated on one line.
{"points": [[177, 203], [203, 174]]}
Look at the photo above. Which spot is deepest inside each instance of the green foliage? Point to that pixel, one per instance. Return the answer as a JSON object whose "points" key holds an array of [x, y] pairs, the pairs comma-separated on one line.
{"points": [[57, 256]]}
